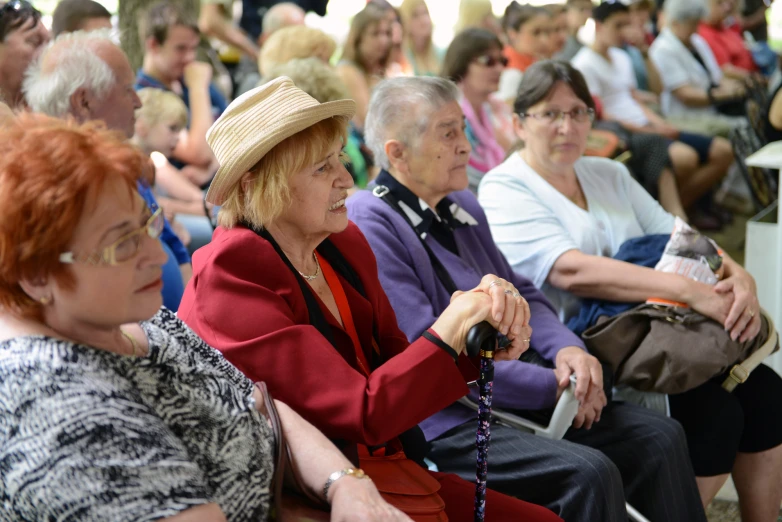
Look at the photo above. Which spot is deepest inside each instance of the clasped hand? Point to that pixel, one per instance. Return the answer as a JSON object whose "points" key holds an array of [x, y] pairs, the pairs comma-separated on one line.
{"points": [[499, 302], [589, 383]]}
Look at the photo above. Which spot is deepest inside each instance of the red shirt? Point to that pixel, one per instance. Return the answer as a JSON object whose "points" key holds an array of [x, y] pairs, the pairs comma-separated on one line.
{"points": [[517, 60], [727, 46]]}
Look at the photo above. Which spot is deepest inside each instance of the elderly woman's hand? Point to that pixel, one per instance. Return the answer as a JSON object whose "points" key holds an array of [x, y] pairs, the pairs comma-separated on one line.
{"points": [[743, 321], [509, 314], [357, 500]]}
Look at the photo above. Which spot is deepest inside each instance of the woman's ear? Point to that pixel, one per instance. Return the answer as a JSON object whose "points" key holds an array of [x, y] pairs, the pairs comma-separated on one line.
{"points": [[37, 289], [518, 127], [246, 181], [396, 151]]}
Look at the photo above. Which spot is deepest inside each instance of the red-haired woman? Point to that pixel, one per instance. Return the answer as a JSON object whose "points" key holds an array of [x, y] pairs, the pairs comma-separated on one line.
{"points": [[111, 408]]}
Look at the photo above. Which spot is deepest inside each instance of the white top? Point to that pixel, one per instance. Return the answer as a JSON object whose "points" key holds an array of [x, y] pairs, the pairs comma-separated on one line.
{"points": [[509, 84], [613, 81], [678, 67], [533, 223]]}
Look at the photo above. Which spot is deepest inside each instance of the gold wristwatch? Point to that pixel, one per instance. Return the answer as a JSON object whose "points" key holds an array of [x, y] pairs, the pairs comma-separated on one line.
{"points": [[353, 472]]}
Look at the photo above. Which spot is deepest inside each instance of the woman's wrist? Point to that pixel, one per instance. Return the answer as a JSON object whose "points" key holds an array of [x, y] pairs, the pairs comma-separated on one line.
{"points": [[337, 481]]}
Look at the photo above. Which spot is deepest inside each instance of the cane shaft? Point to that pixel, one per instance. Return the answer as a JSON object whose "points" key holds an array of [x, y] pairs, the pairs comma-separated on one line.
{"points": [[486, 382]]}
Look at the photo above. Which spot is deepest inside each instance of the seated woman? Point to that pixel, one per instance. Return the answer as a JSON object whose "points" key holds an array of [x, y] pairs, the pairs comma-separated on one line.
{"points": [[559, 218], [559, 28], [22, 37], [288, 290], [726, 43], [112, 408], [422, 172], [693, 83], [528, 30], [474, 61], [365, 57], [422, 55]]}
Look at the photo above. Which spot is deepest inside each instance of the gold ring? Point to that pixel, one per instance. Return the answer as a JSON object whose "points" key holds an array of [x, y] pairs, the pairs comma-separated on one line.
{"points": [[751, 313], [525, 340]]}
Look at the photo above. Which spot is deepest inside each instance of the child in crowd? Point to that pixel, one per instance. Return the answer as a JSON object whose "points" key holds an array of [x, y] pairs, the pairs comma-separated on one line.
{"points": [[159, 123]]}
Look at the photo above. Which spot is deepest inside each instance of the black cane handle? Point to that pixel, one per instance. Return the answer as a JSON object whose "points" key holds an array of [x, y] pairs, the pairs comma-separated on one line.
{"points": [[482, 336]]}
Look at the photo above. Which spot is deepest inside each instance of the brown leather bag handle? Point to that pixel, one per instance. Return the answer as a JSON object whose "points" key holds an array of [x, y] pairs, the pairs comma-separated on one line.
{"points": [[284, 471]]}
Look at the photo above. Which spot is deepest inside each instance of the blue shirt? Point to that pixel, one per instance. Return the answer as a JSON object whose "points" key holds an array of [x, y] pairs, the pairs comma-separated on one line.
{"points": [[167, 236], [219, 103]]}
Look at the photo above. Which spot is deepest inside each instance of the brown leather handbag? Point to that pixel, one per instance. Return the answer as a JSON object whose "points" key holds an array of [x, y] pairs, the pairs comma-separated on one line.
{"points": [[669, 349], [299, 505]]}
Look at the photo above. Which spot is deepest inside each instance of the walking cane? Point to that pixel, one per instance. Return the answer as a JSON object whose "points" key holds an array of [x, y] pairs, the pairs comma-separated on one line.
{"points": [[482, 340]]}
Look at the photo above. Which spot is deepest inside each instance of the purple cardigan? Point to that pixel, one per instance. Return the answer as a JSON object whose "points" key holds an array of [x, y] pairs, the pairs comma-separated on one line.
{"points": [[418, 298]]}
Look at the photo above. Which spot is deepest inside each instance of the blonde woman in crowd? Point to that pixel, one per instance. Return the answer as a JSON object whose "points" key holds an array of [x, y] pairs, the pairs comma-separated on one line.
{"points": [[365, 57], [421, 53], [296, 41]]}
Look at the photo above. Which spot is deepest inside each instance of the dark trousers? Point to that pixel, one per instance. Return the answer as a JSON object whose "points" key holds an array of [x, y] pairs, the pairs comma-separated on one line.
{"points": [[633, 453]]}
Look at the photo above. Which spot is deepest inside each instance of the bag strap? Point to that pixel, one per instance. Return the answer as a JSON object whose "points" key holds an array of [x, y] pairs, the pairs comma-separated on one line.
{"points": [[284, 471], [384, 193], [344, 311], [740, 372]]}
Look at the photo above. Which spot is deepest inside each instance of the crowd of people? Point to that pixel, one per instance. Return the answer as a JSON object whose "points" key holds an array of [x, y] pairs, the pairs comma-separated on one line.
{"points": [[330, 219]]}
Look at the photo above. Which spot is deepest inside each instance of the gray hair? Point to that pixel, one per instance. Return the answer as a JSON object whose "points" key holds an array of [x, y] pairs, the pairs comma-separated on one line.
{"points": [[685, 10], [276, 17], [395, 110], [66, 64]]}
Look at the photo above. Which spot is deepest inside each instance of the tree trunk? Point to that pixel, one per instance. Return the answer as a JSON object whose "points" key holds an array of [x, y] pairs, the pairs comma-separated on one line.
{"points": [[129, 13]]}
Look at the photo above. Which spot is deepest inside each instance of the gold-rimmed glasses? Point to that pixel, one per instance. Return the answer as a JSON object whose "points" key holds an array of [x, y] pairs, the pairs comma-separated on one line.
{"points": [[124, 248]]}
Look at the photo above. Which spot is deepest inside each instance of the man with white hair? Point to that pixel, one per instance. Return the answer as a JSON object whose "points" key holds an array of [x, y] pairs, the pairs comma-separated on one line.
{"points": [[86, 76]]}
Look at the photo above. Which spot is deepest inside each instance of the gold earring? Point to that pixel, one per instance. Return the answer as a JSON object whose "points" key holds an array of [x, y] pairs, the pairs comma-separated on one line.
{"points": [[45, 300]]}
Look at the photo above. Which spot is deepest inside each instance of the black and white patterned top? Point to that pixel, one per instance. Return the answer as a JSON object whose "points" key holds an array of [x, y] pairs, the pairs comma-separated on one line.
{"points": [[87, 434]]}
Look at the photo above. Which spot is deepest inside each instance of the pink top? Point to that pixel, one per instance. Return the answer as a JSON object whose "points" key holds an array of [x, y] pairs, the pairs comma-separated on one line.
{"points": [[486, 152]]}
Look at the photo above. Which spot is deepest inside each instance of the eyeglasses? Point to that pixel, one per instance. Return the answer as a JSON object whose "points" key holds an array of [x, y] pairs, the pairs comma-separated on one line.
{"points": [[123, 249], [556, 117], [491, 61]]}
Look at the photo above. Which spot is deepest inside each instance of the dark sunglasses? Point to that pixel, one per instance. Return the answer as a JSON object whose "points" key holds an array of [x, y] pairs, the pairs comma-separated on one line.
{"points": [[491, 61], [14, 6], [14, 14]]}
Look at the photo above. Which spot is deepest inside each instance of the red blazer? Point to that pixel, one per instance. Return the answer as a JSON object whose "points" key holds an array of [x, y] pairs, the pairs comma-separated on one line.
{"points": [[246, 302]]}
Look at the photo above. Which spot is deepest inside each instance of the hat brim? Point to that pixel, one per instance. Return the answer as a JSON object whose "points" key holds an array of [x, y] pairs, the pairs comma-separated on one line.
{"points": [[230, 173]]}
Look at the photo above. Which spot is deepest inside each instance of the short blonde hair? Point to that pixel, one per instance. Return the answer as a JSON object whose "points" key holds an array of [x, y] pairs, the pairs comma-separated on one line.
{"points": [[296, 41], [266, 193], [312, 76], [160, 106]]}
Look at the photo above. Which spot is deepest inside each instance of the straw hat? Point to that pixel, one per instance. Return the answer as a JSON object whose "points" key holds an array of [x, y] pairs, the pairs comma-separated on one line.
{"points": [[258, 120]]}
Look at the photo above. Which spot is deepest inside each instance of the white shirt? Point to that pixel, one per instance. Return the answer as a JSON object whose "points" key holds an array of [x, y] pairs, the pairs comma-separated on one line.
{"points": [[509, 84], [533, 223], [613, 82], [678, 67]]}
